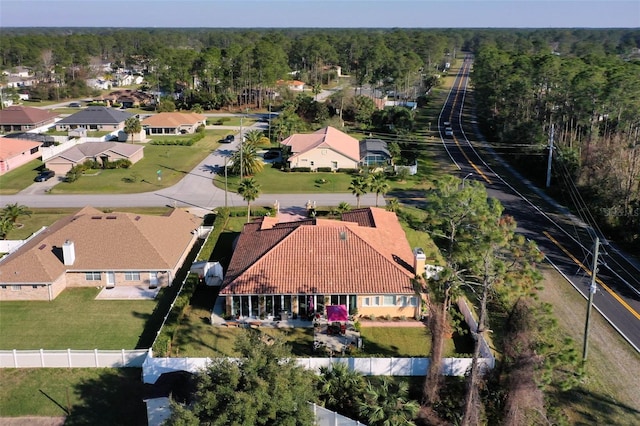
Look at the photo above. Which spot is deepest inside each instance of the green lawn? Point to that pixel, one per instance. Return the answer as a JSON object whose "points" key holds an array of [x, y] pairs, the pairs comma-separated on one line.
{"points": [[18, 179], [74, 320], [87, 396]]}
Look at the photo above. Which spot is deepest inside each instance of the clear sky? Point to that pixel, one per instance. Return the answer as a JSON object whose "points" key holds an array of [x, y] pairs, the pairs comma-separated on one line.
{"points": [[322, 13]]}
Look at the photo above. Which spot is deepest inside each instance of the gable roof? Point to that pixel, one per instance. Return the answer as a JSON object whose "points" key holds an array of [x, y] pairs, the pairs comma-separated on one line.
{"points": [[103, 241], [328, 138], [366, 253], [9, 147], [173, 119], [96, 115], [17, 114], [78, 153]]}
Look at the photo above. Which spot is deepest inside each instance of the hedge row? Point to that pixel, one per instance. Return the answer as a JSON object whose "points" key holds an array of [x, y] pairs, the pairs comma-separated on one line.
{"points": [[179, 142], [219, 223]]}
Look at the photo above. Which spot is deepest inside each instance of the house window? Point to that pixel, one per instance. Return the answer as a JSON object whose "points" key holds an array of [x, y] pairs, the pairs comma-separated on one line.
{"points": [[334, 164], [413, 301], [375, 301], [16, 288], [92, 276], [389, 300], [132, 276], [366, 301]]}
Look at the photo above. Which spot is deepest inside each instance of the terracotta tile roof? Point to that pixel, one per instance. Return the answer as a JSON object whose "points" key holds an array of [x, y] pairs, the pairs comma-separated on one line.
{"points": [[326, 257], [10, 147], [103, 241], [78, 153], [25, 115], [173, 119], [327, 137]]}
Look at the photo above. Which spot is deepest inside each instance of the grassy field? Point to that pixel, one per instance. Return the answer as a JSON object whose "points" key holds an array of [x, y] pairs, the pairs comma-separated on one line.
{"points": [[74, 320], [18, 179], [86, 396]]}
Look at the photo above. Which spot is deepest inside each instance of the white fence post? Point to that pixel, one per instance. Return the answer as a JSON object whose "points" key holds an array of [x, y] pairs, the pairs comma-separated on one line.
{"points": [[69, 357], [15, 358], [42, 358], [95, 351]]}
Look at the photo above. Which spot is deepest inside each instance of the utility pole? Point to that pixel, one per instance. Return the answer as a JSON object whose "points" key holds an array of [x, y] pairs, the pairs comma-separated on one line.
{"points": [[592, 291], [550, 157], [226, 160], [241, 137]]}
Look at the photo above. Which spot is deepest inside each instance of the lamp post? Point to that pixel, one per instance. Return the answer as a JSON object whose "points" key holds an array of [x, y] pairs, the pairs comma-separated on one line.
{"points": [[241, 137], [465, 178]]}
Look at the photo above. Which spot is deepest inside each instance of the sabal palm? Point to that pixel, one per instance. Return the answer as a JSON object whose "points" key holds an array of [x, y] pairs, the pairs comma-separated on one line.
{"points": [[13, 211], [251, 162], [340, 388], [379, 185], [388, 405], [253, 137], [358, 187], [250, 190]]}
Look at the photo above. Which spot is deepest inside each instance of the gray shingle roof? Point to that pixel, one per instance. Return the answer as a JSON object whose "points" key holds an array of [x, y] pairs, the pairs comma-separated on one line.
{"points": [[96, 115]]}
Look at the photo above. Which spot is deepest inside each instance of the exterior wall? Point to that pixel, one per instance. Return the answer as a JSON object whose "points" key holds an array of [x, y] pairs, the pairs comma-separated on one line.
{"points": [[18, 160], [323, 157], [91, 127], [397, 310], [45, 292], [78, 279]]}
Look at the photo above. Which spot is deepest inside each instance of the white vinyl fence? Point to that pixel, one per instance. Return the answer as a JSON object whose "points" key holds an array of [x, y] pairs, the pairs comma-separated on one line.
{"points": [[326, 417], [72, 358]]}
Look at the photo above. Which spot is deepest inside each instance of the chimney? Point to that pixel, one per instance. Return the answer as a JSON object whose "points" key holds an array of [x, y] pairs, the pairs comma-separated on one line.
{"points": [[419, 261], [68, 253]]}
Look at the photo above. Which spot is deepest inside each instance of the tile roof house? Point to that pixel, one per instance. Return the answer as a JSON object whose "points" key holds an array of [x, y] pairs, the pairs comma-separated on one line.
{"points": [[295, 85], [19, 118], [173, 123], [17, 152], [363, 262], [91, 248], [96, 151], [95, 118], [327, 147]]}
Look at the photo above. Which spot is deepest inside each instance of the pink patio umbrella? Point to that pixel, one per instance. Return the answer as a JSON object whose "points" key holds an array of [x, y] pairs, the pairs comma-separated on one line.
{"points": [[337, 313]]}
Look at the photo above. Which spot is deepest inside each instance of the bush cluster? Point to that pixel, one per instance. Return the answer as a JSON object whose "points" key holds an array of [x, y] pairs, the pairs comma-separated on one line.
{"points": [[179, 142], [324, 169], [77, 170], [219, 121], [301, 169]]}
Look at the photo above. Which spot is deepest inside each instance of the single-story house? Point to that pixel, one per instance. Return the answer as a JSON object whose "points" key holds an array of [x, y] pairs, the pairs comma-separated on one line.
{"points": [[96, 118], [98, 151], [299, 268], [17, 152], [18, 118], [173, 123], [374, 152], [295, 85], [327, 147], [91, 248]]}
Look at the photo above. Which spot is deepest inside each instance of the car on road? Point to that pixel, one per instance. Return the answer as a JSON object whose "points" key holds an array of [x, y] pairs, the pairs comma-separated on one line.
{"points": [[228, 139], [45, 175], [448, 131], [446, 124], [75, 105]]}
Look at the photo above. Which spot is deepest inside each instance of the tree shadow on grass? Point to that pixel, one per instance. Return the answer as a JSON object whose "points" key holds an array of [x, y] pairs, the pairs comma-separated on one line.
{"points": [[596, 408], [114, 398]]}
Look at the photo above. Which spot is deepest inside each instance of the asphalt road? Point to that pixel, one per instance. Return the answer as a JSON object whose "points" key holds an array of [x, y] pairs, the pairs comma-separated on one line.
{"points": [[566, 241]]}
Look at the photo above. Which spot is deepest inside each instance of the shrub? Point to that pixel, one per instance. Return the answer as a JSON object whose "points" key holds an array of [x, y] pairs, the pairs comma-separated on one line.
{"points": [[387, 317], [324, 169], [301, 169], [348, 171]]}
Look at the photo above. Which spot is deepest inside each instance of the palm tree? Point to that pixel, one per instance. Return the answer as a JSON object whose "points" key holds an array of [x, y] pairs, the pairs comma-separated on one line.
{"points": [[132, 126], [251, 162], [358, 187], [343, 207], [13, 211], [340, 389], [249, 189], [253, 137], [6, 226], [388, 405], [393, 205], [379, 185]]}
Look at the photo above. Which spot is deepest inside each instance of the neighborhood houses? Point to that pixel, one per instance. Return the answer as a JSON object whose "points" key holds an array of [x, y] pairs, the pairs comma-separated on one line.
{"points": [[91, 248]]}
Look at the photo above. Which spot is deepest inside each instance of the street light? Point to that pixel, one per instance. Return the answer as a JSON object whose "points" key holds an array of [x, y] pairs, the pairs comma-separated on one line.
{"points": [[465, 178]]}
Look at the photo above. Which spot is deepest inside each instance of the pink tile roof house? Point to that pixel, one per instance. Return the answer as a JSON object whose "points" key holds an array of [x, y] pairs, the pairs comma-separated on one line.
{"points": [[17, 152], [91, 248], [363, 261], [327, 147], [173, 123], [19, 118]]}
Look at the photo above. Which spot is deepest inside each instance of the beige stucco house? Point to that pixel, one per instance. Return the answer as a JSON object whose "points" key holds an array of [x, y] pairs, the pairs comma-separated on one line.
{"points": [[97, 151], [363, 261], [173, 123], [95, 118], [327, 148], [95, 249]]}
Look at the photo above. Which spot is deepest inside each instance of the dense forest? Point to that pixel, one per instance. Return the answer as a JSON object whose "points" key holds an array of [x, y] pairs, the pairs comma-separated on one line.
{"points": [[582, 83]]}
